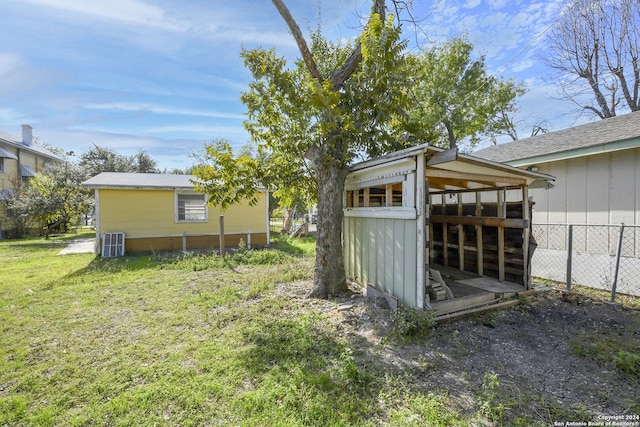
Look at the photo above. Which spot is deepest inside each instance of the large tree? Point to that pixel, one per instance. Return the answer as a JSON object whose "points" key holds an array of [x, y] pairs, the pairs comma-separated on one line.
{"points": [[101, 159], [55, 197], [456, 98], [594, 51], [337, 103]]}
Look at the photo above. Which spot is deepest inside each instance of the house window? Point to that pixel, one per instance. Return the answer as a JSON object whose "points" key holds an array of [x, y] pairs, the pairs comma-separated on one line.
{"points": [[191, 207], [1, 164]]}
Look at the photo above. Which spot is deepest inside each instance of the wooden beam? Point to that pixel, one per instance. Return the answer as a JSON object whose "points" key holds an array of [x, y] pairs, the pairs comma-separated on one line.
{"points": [[525, 237], [501, 254], [460, 236], [479, 240], [443, 157], [442, 173], [462, 183], [422, 275], [502, 211], [388, 197], [366, 197], [483, 221]]}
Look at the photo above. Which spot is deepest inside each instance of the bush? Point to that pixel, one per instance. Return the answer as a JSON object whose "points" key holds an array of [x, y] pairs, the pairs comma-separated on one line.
{"points": [[410, 323]]}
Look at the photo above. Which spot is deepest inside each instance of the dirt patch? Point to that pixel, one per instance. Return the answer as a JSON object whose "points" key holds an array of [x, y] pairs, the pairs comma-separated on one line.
{"points": [[545, 361]]}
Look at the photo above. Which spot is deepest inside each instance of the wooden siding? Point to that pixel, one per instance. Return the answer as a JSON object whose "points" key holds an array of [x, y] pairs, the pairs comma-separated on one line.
{"points": [[598, 189], [192, 242], [382, 252], [151, 213]]}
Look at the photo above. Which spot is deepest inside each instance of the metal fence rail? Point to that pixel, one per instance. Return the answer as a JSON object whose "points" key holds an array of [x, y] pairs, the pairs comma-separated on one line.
{"points": [[604, 257]]}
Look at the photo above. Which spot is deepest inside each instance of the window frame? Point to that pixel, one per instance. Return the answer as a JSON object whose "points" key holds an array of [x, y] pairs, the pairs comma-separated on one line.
{"points": [[177, 196]]}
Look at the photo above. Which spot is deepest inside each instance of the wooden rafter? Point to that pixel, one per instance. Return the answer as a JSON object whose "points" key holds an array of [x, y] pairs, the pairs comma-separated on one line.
{"points": [[492, 180]]}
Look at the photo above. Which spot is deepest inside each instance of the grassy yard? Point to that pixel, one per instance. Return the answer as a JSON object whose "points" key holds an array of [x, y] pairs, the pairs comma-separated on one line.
{"points": [[184, 340]]}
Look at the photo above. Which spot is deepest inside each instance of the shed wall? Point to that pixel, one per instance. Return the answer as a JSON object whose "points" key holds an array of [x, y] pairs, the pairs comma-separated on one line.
{"points": [[382, 252]]}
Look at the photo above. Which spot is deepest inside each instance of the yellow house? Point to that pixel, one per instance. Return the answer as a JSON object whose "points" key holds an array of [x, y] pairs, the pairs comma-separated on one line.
{"points": [[154, 212], [20, 160]]}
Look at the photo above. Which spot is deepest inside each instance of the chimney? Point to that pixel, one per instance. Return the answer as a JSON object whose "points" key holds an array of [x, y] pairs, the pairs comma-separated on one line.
{"points": [[27, 135]]}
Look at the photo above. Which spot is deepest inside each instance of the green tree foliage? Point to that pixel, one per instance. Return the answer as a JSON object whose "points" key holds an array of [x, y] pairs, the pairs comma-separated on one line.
{"points": [[55, 197], [338, 103], [456, 98], [226, 178], [100, 159]]}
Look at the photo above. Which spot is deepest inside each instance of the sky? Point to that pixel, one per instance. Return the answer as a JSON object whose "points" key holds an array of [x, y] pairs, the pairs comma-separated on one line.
{"points": [[165, 76]]}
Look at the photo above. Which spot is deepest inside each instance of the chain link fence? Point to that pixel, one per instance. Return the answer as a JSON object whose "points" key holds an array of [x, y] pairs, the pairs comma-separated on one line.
{"points": [[605, 257]]}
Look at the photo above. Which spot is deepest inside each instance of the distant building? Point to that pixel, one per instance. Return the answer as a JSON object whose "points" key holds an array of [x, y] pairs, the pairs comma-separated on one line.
{"points": [[158, 212], [20, 160]]}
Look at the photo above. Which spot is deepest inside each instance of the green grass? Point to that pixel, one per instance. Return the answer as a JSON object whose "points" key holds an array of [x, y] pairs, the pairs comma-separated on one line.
{"points": [[166, 339]]}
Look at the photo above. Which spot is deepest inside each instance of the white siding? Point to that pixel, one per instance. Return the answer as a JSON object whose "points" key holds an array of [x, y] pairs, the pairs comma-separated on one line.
{"points": [[598, 189], [382, 252]]}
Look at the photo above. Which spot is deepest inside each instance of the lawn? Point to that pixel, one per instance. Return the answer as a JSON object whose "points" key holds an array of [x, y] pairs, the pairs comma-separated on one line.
{"points": [[167, 339]]}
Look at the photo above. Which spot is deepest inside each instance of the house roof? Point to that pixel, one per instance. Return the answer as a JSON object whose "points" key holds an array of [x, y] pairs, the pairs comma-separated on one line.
{"points": [[612, 134], [150, 181], [16, 141]]}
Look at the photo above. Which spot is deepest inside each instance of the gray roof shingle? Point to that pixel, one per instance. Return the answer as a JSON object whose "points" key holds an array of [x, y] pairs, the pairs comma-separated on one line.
{"points": [[619, 128]]}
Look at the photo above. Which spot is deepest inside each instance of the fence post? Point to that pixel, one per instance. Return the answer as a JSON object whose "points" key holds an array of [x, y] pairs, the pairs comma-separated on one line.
{"points": [[569, 254], [222, 235], [614, 285], [184, 241]]}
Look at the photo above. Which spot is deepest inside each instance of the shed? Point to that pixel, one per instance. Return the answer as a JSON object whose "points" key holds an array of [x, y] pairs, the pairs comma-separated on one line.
{"points": [[164, 212], [437, 229]]}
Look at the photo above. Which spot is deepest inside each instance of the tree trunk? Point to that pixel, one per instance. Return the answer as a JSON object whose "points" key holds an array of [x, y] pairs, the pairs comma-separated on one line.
{"points": [[329, 278]]}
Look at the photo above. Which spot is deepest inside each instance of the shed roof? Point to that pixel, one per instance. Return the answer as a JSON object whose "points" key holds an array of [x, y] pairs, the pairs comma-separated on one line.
{"points": [[448, 169], [150, 181], [612, 134]]}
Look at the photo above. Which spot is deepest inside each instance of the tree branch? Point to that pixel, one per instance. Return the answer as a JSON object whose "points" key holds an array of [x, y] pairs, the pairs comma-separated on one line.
{"points": [[297, 35]]}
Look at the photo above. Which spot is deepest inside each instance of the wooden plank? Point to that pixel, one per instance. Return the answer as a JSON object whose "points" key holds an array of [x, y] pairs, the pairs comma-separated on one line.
{"points": [[477, 309], [366, 197], [479, 242], [525, 238], [501, 253], [446, 156], [494, 179], [445, 244], [388, 196], [422, 278], [457, 304], [460, 236], [483, 221]]}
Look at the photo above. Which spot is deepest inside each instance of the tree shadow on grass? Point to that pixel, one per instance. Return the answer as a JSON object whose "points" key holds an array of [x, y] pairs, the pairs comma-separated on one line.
{"points": [[304, 373]]}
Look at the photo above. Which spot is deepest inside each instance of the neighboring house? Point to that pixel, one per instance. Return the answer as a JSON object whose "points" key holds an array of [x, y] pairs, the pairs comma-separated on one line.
{"points": [[20, 160], [158, 212], [435, 229], [597, 170]]}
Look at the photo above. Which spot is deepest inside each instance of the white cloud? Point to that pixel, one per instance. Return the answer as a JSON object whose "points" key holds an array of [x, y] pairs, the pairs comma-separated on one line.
{"points": [[9, 63], [128, 11], [158, 109]]}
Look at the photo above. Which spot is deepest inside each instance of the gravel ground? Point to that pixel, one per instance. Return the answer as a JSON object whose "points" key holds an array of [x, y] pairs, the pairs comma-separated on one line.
{"points": [[542, 362]]}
